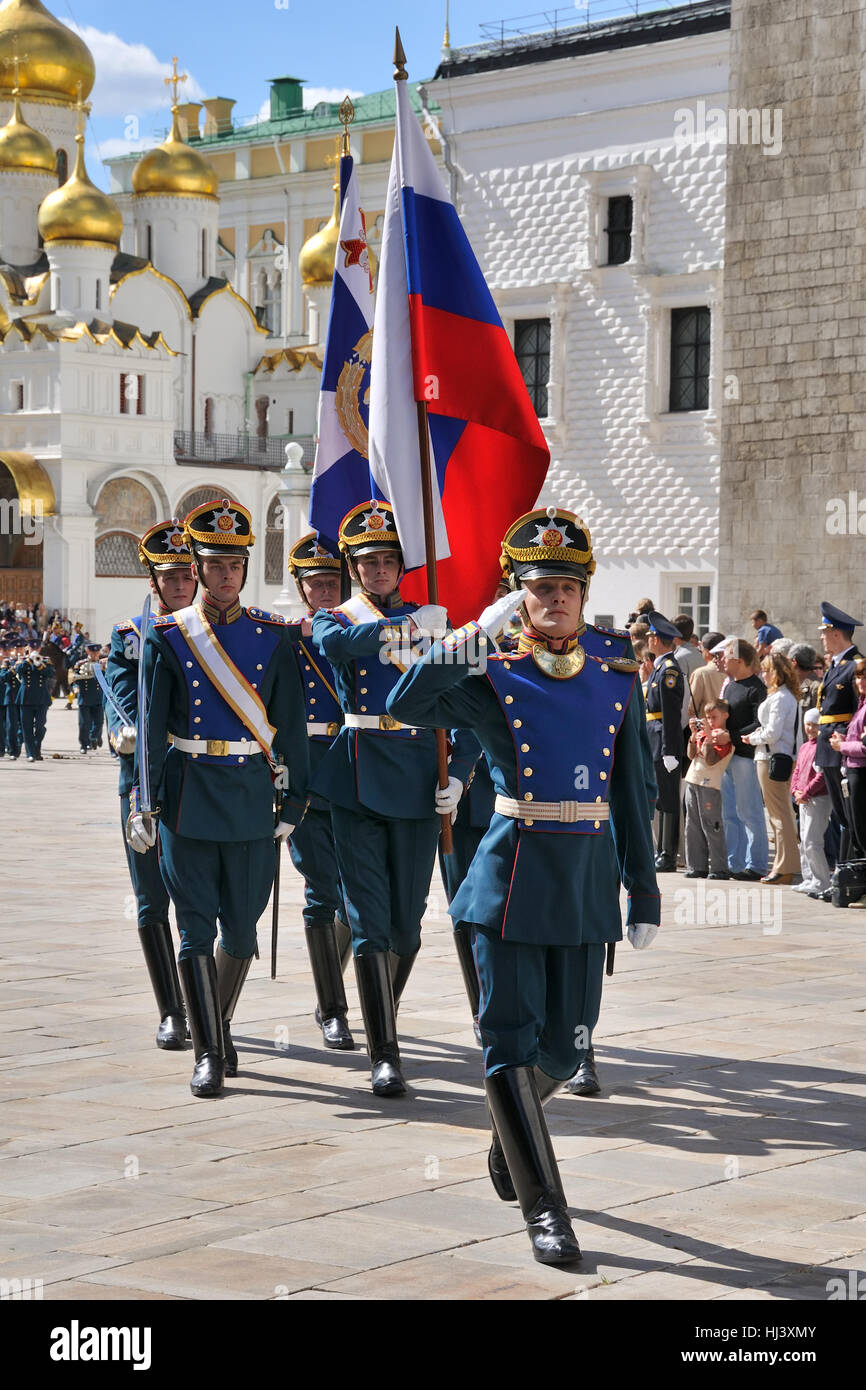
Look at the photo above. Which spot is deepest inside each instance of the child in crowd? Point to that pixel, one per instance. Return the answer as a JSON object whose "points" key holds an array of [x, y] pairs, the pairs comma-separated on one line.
{"points": [[809, 791], [710, 750]]}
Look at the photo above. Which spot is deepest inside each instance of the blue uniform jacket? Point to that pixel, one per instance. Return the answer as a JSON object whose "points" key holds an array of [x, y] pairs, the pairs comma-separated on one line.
{"points": [[390, 773], [121, 673], [36, 685], [213, 797], [320, 700], [548, 883], [836, 696], [87, 689]]}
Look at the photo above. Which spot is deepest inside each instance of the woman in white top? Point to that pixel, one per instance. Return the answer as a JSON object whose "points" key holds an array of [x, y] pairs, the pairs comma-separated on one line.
{"points": [[773, 742]]}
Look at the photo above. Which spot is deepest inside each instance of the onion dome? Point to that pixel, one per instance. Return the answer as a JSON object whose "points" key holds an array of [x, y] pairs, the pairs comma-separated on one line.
{"points": [[79, 211], [52, 62], [319, 252], [22, 148], [174, 170]]}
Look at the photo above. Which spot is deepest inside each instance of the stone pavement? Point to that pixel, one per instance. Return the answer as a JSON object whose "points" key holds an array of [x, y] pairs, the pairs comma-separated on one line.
{"points": [[723, 1161]]}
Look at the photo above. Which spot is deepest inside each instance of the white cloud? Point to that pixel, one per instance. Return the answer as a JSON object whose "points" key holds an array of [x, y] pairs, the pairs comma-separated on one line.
{"points": [[116, 145], [313, 95], [129, 77]]}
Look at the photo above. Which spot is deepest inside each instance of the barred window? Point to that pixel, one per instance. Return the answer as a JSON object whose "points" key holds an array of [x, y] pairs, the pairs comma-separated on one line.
{"points": [[274, 543], [690, 359], [619, 220], [532, 350], [117, 556], [196, 498]]}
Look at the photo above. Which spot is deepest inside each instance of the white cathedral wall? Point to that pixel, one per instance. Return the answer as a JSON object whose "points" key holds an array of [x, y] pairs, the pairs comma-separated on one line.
{"points": [[151, 304]]}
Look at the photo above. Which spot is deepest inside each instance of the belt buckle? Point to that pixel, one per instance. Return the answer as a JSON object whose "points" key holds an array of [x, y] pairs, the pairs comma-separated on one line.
{"points": [[333, 729], [217, 747], [568, 812], [388, 723]]}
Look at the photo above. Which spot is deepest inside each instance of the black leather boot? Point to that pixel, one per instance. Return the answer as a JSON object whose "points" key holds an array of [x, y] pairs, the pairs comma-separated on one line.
{"points": [[198, 978], [328, 979], [463, 942], [497, 1167], [377, 1007], [158, 948], [666, 858], [343, 933], [585, 1080], [519, 1119], [401, 969], [231, 975]]}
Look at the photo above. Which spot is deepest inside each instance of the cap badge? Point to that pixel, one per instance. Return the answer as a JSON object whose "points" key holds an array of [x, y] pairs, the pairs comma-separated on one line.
{"points": [[225, 520]]}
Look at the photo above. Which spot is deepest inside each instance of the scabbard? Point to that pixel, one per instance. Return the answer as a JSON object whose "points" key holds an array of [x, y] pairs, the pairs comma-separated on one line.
{"points": [[611, 952], [275, 913]]}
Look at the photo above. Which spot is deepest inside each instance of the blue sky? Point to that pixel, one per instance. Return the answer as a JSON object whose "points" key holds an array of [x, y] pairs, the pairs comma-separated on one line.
{"points": [[232, 49]]}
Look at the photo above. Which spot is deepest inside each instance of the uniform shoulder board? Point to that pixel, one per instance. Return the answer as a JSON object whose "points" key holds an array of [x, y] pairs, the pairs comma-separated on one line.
{"points": [[164, 621], [610, 631], [127, 626], [622, 663], [262, 617], [508, 656]]}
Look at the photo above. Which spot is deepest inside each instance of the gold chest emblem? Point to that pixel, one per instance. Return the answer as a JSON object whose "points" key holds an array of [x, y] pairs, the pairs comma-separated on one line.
{"points": [[562, 666]]}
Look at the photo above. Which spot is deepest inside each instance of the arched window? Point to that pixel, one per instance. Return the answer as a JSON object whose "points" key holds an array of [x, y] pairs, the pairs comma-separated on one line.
{"points": [[273, 317], [274, 543], [117, 556], [203, 253], [196, 498], [62, 167], [125, 505]]}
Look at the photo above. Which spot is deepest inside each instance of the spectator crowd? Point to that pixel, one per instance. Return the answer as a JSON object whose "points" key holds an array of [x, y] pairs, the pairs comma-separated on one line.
{"points": [[44, 656]]}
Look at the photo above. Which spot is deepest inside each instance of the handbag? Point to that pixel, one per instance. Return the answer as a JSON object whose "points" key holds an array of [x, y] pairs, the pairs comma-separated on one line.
{"points": [[781, 767]]}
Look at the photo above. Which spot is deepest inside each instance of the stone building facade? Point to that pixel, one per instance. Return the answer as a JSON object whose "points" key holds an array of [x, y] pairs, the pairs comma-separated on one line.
{"points": [[793, 470]]}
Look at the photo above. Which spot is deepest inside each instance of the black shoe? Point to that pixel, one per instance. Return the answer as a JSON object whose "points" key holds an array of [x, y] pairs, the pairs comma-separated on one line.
{"points": [[377, 1007], [697, 873], [158, 948], [827, 895], [332, 1008], [819, 897], [515, 1108], [666, 864], [585, 1081], [198, 977], [231, 973], [725, 876]]}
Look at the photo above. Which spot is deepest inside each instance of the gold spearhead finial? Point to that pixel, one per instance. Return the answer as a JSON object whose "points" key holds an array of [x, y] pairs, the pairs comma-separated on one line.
{"points": [[400, 73], [175, 80], [346, 114]]}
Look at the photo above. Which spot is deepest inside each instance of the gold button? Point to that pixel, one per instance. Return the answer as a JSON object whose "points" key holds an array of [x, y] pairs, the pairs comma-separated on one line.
{"points": [[193, 755], [606, 752], [524, 747], [197, 719], [258, 629], [306, 667], [254, 685], [604, 666], [258, 665], [607, 641], [509, 699], [312, 699], [518, 723], [311, 716], [195, 683], [363, 709], [413, 732], [611, 728], [363, 689], [617, 705], [198, 702], [597, 824], [363, 673], [240, 760], [189, 663], [507, 665], [527, 796], [529, 822], [598, 798], [196, 735], [527, 772], [603, 776], [311, 685]]}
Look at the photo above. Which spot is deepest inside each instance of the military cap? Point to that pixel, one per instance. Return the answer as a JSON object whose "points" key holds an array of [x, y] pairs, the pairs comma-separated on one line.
{"points": [[93, 646], [834, 617], [547, 543], [312, 555], [163, 546], [659, 625], [220, 528], [368, 528]]}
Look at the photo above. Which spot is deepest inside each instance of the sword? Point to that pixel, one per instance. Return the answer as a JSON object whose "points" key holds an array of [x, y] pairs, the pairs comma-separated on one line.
{"points": [[109, 695], [143, 760], [275, 911]]}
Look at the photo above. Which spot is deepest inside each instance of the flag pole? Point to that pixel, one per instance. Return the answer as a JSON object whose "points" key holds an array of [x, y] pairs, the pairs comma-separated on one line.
{"points": [[446, 838]]}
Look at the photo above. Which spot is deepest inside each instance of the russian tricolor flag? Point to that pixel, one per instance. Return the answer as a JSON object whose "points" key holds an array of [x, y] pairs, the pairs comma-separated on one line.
{"points": [[439, 339], [341, 472]]}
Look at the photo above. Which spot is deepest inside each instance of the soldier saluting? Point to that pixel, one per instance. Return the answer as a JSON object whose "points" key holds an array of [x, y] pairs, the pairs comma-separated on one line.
{"points": [[561, 721], [166, 556], [224, 707]]}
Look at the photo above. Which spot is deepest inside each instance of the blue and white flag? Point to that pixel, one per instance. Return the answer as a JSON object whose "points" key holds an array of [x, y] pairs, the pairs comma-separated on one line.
{"points": [[341, 472]]}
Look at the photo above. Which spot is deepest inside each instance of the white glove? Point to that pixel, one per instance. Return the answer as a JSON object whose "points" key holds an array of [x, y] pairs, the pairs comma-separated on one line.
{"points": [[448, 798], [496, 615], [283, 830], [125, 738], [430, 617], [141, 831], [642, 934], [670, 762]]}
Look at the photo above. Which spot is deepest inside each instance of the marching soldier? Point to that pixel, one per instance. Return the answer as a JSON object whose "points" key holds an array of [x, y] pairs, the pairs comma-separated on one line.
{"points": [[560, 716], [4, 668], [166, 557], [90, 712], [36, 677], [664, 705], [837, 704], [317, 571], [224, 707], [9, 712], [380, 778]]}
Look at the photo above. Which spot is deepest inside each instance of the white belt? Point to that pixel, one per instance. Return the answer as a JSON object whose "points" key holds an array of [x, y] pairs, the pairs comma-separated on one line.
{"points": [[331, 729], [565, 811], [217, 747], [383, 722]]}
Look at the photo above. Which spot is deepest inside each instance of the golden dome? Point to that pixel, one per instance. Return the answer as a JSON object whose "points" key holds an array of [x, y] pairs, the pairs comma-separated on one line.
{"points": [[52, 60], [79, 211], [319, 252], [24, 149], [174, 170]]}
